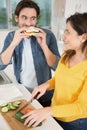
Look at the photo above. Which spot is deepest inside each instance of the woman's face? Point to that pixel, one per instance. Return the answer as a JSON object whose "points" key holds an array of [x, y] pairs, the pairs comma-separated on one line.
{"points": [[71, 38]]}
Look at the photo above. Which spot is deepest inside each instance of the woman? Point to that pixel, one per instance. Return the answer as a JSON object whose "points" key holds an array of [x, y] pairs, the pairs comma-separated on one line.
{"points": [[69, 102]]}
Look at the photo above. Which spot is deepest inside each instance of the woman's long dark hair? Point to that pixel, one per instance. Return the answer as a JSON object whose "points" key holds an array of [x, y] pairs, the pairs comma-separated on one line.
{"points": [[78, 22]]}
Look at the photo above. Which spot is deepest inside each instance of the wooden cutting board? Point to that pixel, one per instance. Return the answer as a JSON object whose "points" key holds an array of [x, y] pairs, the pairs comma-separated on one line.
{"points": [[13, 123]]}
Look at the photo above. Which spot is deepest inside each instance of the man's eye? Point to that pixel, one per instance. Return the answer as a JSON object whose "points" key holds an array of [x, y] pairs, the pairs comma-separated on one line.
{"points": [[33, 18], [24, 17]]}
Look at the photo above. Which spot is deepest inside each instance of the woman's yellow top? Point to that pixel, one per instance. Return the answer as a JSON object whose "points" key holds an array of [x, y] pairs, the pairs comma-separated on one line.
{"points": [[69, 101]]}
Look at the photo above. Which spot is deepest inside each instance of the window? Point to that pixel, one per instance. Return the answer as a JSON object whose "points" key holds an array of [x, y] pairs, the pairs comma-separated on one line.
{"points": [[7, 13], [14, 3], [45, 14], [3, 15]]}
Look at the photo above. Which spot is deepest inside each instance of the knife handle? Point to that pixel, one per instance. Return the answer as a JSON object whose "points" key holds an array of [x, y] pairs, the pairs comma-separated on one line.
{"points": [[35, 97]]}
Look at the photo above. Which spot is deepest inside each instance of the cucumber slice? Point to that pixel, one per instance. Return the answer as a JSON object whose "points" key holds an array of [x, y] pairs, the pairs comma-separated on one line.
{"points": [[15, 105], [3, 105], [9, 105], [17, 102], [12, 107], [4, 109]]}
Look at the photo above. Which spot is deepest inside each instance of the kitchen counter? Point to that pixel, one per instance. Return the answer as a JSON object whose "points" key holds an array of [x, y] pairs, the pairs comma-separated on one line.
{"points": [[49, 124]]}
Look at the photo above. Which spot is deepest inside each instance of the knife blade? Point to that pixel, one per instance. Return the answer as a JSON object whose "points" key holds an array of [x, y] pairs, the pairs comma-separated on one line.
{"points": [[28, 102]]}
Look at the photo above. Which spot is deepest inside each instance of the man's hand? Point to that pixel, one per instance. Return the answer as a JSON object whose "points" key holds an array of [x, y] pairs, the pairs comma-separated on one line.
{"points": [[19, 35]]}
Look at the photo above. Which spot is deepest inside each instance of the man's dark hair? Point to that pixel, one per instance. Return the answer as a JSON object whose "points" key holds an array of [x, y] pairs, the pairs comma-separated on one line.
{"points": [[26, 4]]}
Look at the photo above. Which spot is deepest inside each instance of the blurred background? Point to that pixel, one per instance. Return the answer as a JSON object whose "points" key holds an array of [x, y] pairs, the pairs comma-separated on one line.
{"points": [[53, 16]]}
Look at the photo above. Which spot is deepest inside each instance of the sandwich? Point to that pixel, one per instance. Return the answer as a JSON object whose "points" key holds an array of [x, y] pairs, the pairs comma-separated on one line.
{"points": [[31, 31]]}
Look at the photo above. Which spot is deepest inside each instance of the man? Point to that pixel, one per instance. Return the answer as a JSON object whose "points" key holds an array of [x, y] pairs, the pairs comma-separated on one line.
{"points": [[33, 56]]}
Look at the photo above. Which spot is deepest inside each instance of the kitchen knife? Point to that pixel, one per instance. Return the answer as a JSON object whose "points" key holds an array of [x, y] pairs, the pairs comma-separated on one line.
{"points": [[28, 102]]}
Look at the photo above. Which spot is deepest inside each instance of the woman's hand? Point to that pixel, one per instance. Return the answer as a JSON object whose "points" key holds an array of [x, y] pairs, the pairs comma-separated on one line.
{"points": [[40, 90], [34, 117]]}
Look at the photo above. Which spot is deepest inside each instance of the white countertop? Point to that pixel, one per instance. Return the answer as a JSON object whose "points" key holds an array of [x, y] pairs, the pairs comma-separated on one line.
{"points": [[49, 124]]}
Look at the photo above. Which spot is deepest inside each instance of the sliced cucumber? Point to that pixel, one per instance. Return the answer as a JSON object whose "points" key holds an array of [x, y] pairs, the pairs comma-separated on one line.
{"points": [[17, 102], [10, 106], [15, 105], [4, 109], [3, 105]]}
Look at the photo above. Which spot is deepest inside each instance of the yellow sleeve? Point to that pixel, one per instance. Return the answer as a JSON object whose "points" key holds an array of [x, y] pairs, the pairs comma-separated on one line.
{"points": [[78, 107], [52, 83]]}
